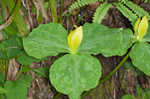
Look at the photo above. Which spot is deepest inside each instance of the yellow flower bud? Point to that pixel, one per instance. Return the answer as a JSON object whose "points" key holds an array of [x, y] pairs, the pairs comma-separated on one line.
{"points": [[74, 39], [140, 28], [136, 25]]}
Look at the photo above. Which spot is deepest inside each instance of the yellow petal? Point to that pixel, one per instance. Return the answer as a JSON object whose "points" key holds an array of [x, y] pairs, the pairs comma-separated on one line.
{"points": [[136, 25], [142, 28], [74, 39]]}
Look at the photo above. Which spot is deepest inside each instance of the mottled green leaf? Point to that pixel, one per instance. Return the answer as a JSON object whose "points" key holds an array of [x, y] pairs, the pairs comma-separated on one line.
{"points": [[128, 96], [73, 74], [101, 39], [46, 40], [18, 89], [140, 56]]}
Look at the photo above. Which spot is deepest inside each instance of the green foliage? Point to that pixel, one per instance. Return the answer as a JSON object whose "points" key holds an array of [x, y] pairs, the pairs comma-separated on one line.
{"points": [[127, 97], [2, 78], [16, 15], [77, 74], [2, 90], [18, 89], [141, 94], [126, 12], [118, 40], [81, 3], [140, 55], [10, 48], [101, 12], [52, 43], [140, 12], [24, 59], [53, 6], [126, 7], [47, 39]]}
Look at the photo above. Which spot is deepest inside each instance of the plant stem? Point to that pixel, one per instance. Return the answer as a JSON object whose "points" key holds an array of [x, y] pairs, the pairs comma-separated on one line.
{"points": [[19, 73], [116, 68], [111, 73], [53, 7]]}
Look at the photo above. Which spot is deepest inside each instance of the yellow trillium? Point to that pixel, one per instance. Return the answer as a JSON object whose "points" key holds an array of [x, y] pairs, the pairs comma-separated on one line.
{"points": [[74, 39], [140, 28]]}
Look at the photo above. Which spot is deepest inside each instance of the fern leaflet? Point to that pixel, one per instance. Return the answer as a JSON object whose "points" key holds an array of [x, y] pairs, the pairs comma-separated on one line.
{"points": [[126, 12], [137, 9], [81, 3], [100, 12]]}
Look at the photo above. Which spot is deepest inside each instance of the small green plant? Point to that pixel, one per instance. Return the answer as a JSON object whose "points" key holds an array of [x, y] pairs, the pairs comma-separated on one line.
{"points": [[77, 71], [126, 7], [141, 94]]}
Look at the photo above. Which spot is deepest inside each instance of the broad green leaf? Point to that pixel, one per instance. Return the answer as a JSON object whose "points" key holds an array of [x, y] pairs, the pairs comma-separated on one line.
{"points": [[140, 56], [101, 39], [72, 74], [46, 40], [24, 59], [10, 48], [18, 89], [128, 96]]}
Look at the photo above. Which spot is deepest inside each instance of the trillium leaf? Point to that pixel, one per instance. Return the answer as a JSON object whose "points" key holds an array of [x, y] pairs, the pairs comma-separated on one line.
{"points": [[140, 56], [101, 39], [46, 40], [72, 74]]}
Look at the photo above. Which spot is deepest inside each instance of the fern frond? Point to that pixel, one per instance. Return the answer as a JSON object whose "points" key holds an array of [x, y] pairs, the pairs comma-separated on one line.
{"points": [[122, 1], [81, 3], [136, 9], [100, 12], [126, 12]]}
